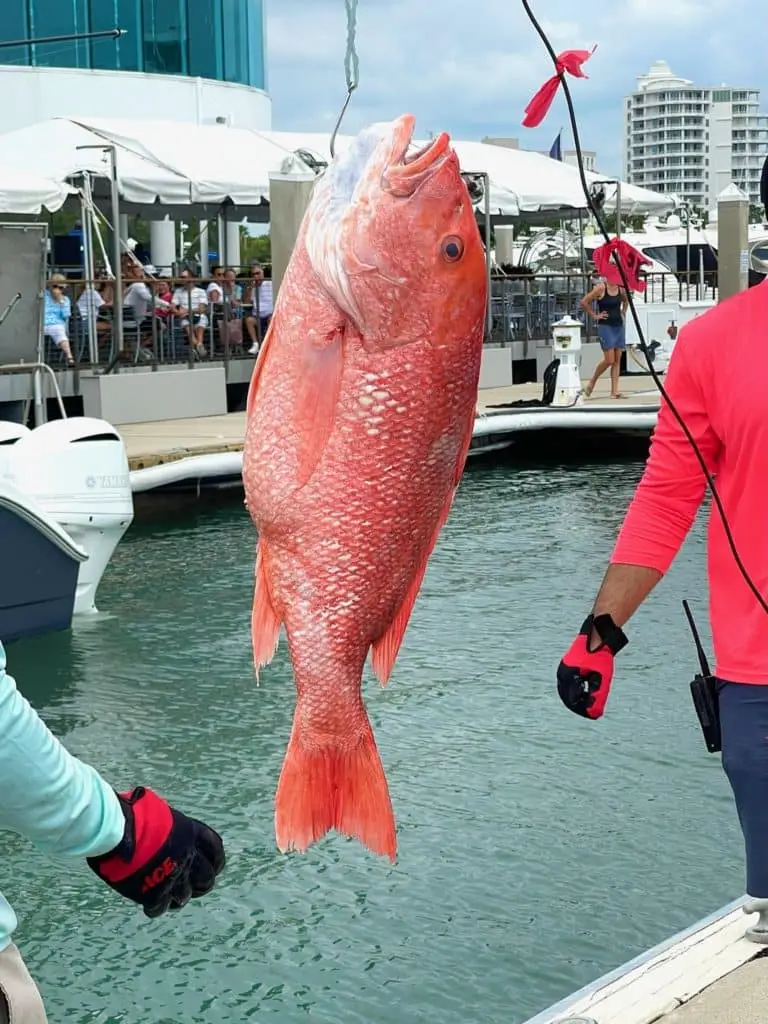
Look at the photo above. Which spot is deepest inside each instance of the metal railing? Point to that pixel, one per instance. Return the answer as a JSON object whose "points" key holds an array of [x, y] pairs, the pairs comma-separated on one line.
{"points": [[157, 326], [521, 308], [524, 307]]}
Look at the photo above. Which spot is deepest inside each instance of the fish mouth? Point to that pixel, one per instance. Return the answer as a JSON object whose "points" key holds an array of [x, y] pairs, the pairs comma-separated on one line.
{"points": [[409, 166]]}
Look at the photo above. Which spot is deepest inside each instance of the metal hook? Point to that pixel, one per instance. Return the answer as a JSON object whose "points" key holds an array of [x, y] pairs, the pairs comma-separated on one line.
{"points": [[351, 67]]}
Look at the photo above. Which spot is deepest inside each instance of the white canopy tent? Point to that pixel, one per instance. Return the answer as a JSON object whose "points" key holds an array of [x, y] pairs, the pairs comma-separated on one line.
{"points": [[163, 163], [24, 193], [168, 164], [521, 182]]}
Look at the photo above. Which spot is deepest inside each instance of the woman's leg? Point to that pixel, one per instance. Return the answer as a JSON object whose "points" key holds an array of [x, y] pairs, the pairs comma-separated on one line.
{"points": [[744, 728], [600, 369], [615, 371]]}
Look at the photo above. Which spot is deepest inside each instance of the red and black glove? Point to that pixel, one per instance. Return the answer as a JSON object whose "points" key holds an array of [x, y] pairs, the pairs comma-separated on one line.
{"points": [[164, 858], [584, 676]]}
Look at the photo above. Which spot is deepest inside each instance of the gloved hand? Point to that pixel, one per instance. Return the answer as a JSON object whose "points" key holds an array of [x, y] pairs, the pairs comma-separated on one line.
{"points": [[584, 676], [164, 859]]}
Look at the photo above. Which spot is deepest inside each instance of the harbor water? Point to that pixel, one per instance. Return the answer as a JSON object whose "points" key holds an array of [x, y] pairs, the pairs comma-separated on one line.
{"points": [[536, 850]]}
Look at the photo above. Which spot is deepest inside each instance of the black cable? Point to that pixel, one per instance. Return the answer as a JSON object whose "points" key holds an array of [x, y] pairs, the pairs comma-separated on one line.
{"points": [[643, 346]]}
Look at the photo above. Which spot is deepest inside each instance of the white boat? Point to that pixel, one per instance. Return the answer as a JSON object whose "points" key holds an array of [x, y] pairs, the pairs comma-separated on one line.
{"points": [[76, 471], [40, 563]]}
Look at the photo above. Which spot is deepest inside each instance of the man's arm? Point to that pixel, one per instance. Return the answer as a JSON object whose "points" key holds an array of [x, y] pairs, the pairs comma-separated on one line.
{"points": [[670, 492], [60, 804]]}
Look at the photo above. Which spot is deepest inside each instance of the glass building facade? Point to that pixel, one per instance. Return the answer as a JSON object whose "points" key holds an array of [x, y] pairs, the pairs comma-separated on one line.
{"points": [[221, 40]]}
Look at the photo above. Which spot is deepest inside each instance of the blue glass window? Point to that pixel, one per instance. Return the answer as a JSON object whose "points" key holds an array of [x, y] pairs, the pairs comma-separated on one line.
{"points": [[221, 40], [164, 31], [123, 53], [57, 18], [14, 25], [257, 71], [235, 23], [204, 39]]}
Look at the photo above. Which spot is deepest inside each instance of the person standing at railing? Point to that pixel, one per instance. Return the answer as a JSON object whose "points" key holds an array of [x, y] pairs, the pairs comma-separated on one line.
{"points": [[726, 413], [141, 847], [612, 303], [58, 310]]}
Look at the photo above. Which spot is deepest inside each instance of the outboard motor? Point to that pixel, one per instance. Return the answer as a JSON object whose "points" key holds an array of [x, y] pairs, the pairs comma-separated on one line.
{"points": [[9, 434], [77, 471]]}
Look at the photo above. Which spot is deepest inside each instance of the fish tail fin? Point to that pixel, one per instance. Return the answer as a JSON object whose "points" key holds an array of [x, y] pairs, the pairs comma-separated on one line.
{"points": [[341, 786]]}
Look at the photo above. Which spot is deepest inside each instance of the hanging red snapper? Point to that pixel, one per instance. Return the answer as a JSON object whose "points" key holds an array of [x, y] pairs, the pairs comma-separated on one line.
{"points": [[360, 414]]}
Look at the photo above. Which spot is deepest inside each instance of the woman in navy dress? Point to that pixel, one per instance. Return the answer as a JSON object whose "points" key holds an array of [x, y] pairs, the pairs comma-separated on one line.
{"points": [[611, 302]]}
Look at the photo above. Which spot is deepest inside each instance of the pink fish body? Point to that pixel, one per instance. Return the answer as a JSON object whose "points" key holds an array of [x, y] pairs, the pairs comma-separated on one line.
{"points": [[360, 415]]}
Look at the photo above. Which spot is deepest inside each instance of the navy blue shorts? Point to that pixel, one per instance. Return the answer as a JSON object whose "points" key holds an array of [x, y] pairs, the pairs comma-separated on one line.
{"points": [[611, 336], [744, 728]]}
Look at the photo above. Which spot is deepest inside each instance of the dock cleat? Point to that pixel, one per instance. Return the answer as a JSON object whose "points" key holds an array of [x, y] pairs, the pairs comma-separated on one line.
{"points": [[759, 931]]}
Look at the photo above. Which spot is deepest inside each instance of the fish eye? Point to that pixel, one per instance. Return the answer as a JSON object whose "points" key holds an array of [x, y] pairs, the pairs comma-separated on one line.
{"points": [[452, 248]]}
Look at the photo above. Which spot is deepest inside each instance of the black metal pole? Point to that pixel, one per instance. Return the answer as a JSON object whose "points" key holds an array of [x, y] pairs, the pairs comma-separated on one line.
{"points": [[110, 33]]}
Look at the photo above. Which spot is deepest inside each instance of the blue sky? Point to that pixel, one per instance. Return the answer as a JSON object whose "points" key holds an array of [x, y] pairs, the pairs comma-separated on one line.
{"points": [[471, 68]]}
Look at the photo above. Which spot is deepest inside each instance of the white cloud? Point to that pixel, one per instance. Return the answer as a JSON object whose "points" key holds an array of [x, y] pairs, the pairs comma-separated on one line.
{"points": [[472, 68]]}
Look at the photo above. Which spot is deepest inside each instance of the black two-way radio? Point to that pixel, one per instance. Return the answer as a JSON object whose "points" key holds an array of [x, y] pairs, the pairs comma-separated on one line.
{"points": [[704, 693]]}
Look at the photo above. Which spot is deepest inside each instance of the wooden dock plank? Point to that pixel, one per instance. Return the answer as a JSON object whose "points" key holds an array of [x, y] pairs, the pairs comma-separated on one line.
{"points": [[162, 441]]}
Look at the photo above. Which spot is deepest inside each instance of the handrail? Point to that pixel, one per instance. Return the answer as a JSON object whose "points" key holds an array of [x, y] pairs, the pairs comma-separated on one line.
{"points": [[32, 368]]}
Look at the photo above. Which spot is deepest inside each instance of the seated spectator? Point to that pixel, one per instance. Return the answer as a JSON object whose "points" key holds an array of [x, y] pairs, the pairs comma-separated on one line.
{"points": [[232, 290], [138, 295], [190, 304], [58, 310], [259, 297], [92, 297], [164, 297], [214, 290], [231, 324]]}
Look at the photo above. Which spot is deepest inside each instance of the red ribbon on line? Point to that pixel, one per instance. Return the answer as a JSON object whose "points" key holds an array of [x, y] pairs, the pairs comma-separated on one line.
{"points": [[607, 256], [570, 61]]}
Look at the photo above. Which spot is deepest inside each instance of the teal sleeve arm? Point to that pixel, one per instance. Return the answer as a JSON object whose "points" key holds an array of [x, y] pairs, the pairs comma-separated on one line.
{"points": [[60, 804]]}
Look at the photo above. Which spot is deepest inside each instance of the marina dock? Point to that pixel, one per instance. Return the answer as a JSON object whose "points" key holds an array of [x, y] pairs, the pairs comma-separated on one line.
{"points": [[210, 446], [708, 974]]}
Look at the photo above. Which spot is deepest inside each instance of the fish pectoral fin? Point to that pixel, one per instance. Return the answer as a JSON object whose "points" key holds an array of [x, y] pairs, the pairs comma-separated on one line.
{"points": [[265, 622], [317, 399], [384, 651]]}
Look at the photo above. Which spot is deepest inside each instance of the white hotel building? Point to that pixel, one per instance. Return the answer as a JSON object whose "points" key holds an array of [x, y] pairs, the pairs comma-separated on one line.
{"points": [[693, 140]]}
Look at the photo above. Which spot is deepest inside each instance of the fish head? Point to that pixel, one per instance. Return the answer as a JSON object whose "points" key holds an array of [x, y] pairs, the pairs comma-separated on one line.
{"points": [[392, 237]]}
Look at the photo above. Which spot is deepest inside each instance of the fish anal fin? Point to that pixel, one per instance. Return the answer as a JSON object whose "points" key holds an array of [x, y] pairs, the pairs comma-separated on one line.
{"points": [[317, 399], [333, 786], [384, 651], [265, 622]]}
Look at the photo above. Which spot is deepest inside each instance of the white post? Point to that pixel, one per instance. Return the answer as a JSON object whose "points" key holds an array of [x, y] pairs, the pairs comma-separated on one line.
{"points": [[566, 346], [732, 238], [290, 190], [162, 242], [233, 244], [205, 268]]}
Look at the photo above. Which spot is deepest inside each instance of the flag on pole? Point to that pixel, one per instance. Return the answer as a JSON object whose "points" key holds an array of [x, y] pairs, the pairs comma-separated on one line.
{"points": [[556, 152]]}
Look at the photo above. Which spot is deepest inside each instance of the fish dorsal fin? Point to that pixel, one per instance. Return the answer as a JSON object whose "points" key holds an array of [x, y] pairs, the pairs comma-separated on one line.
{"points": [[317, 399]]}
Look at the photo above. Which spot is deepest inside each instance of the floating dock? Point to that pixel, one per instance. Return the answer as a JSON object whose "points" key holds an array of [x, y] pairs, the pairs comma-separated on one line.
{"points": [[192, 454], [708, 974]]}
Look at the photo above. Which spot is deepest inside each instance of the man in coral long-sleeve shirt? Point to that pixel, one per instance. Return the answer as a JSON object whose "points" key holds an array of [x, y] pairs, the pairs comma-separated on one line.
{"points": [[718, 381]]}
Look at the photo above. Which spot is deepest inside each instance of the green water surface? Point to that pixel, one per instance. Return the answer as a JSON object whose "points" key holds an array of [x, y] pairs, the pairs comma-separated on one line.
{"points": [[536, 850]]}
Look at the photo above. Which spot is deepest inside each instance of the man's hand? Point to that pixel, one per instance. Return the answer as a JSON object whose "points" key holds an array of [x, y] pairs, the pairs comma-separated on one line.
{"points": [[585, 673], [164, 859]]}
